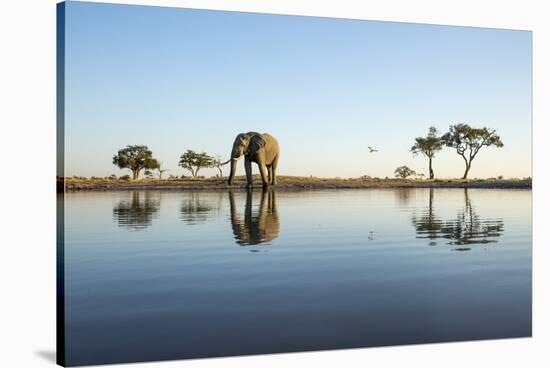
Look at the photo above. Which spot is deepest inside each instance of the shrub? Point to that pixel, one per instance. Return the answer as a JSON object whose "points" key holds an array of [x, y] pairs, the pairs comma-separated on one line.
{"points": [[148, 174], [420, 175], [125, 177]]}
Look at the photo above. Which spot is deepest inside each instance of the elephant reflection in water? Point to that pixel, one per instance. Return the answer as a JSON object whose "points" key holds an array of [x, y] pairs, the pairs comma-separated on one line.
{"points": [[137, 212], [466, 229], [259, 226]]}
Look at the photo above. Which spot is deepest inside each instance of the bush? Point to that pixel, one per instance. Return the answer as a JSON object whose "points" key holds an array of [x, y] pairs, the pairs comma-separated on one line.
{"points": [[125, 177], [148, 174], [420, 176], [500, 177]]}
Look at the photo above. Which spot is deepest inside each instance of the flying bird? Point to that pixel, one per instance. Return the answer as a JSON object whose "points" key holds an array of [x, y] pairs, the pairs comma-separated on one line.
{"points": [[371, 150], [371, 235]]}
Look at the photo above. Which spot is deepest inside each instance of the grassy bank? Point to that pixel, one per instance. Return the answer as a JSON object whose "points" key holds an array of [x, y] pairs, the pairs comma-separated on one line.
{"points": [[285, 182]]}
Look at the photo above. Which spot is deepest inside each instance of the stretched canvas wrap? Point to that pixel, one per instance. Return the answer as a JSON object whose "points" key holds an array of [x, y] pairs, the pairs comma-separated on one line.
{"points": [[235, 183]]}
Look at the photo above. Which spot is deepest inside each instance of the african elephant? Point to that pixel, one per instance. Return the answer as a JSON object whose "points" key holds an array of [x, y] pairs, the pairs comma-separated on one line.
{"points": [[262, 149], [255, 228]]}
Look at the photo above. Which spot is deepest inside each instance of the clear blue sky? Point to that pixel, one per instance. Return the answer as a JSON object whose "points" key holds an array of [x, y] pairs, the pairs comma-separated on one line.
{"points": [[178, 79]]}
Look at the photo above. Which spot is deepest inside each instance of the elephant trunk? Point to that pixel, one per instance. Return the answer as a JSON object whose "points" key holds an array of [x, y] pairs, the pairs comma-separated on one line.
{"points": [[233, 169]]}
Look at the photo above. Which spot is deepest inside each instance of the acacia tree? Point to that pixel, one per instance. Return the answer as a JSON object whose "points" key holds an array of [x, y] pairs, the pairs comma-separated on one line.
{"points": [[194, 161], [403, 172], [135, 158], [468, 141], [428, 146]]}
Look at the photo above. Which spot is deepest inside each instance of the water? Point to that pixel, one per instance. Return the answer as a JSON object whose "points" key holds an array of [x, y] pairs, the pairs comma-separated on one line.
{"points": [[156, 275]]}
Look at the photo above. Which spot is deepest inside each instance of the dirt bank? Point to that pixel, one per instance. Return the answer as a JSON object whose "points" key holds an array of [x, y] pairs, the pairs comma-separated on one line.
{"points": [[285, 183]]}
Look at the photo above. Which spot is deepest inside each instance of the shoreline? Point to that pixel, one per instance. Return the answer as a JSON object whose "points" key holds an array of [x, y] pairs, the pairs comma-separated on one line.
{"points": [[285, 183]]}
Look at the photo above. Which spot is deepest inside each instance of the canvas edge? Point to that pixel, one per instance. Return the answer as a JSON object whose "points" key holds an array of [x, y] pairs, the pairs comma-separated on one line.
{"points": [[60, 171]]}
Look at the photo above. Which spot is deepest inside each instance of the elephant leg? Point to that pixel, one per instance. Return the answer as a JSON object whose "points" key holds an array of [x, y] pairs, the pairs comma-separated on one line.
{"points": [[269, 173], [261, 166], [274, 170], [248, 170]]}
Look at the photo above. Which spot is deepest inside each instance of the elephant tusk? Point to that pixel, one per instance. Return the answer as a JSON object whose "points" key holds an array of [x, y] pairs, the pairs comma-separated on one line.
{"points": [[228, 161]]}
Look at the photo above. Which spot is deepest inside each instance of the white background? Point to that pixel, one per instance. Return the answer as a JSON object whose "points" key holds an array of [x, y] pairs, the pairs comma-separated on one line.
{"points": [[27, 193]]}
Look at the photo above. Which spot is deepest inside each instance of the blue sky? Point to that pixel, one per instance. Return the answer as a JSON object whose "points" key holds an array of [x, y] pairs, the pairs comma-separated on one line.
{"points": [[177, 79]]}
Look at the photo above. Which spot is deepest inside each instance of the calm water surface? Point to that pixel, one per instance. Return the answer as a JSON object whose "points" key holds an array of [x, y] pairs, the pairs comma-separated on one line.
{"points": [[158, 275]]}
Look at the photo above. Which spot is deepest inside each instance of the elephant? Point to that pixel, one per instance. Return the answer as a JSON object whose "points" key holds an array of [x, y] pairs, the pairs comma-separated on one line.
{"points": [[255, 228], [262, 149]]}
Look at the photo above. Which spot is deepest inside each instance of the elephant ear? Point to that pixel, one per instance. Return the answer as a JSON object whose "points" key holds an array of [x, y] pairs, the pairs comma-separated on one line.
{"points": [[256, 142]]}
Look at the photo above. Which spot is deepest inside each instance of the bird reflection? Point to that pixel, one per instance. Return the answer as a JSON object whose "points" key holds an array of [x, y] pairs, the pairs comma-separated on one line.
{"points": [[259, 226], [466, 229], [137, 212], [193, 210]]}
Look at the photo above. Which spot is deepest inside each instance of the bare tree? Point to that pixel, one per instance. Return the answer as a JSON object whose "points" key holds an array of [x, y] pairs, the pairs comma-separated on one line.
{"points": [[161, 169], [217, 163]]}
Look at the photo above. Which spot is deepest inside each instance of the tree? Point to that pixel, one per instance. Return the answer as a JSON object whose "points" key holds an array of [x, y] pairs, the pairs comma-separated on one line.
{"points": [[217, 163], [403, 172], [468, 141], [161, 170], [194, 161], [428, 146], [135, 158]]}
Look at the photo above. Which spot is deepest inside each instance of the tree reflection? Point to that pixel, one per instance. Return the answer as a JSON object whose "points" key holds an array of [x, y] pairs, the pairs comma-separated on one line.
{"points": [[257, 226], [193, 210], [137, 212], [403, 195], [466, 229], [428, 225]]}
